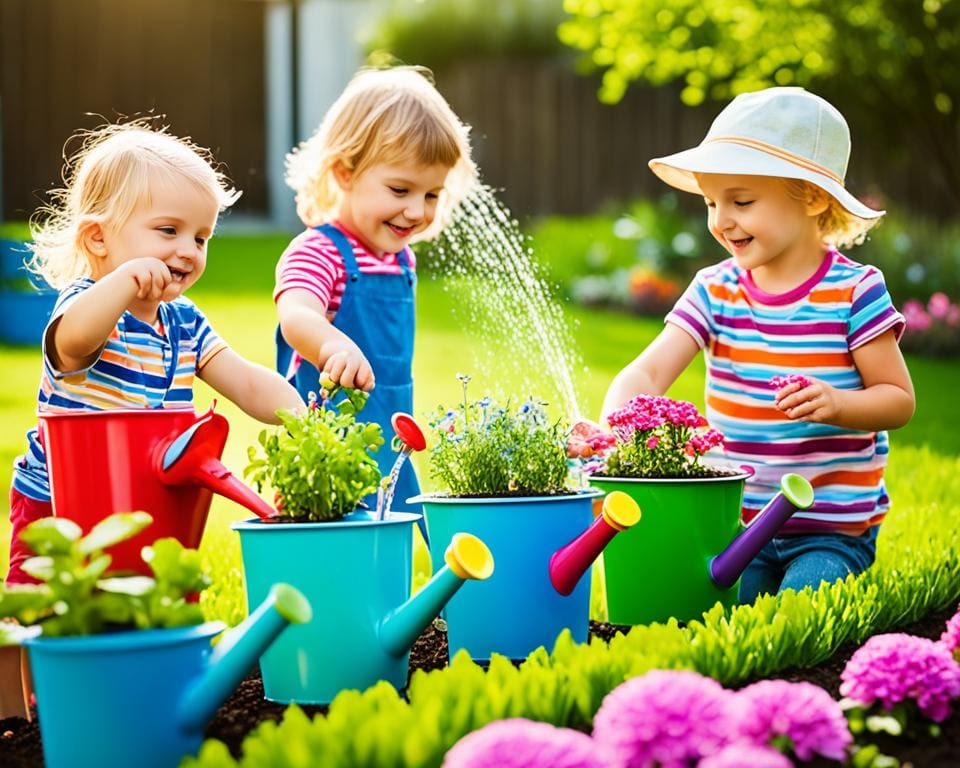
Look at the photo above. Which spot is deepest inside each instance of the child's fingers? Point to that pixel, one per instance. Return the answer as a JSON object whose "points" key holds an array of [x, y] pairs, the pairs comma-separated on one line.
{"points": [[365, 380], [334, 369]]}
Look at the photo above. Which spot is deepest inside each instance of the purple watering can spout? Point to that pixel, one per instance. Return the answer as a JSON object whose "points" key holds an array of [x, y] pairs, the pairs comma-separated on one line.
{"points": [[795, 493], [571, 561], [193, 458]]}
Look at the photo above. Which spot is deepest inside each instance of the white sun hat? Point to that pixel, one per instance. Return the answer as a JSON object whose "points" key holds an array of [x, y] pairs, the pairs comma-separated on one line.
{"points": [[785, 132]]}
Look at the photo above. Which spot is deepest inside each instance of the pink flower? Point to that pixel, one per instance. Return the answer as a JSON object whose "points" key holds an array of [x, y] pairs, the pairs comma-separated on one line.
{"points": [[951, 635], [899, 667], [779, 382], [741, 755], [519, 743], [805, 713], [939, 305], [916, 316], [665, 718], [653, 442]]}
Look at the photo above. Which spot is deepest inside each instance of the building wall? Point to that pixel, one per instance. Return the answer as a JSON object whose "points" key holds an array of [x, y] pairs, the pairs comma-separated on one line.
{"points": [[198, 62]]}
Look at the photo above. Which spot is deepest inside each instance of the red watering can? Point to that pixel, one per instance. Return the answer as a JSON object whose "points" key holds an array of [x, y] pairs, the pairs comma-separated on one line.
{"points": [[163, 461]]}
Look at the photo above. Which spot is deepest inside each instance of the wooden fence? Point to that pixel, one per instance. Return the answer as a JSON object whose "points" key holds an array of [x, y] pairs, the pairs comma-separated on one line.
{"points": [[199, 62]]}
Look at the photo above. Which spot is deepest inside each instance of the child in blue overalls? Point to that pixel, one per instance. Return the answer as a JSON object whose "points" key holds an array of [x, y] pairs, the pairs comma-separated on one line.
{"points": [[385, 163]]}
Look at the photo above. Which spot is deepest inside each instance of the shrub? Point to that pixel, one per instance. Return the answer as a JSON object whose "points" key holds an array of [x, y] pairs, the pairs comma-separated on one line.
{"points": [[932, 330]]}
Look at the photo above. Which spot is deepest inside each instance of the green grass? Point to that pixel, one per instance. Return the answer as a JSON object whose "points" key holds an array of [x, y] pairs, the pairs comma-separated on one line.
{"points": [[235, 293]]}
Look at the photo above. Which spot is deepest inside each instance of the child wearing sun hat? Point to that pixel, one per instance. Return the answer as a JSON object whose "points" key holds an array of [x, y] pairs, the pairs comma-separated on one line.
{"points": [[804, 373]]}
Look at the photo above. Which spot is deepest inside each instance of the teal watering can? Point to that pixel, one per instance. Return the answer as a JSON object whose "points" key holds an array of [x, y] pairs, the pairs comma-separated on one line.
{"points": [[359, 569], [151, 691]]}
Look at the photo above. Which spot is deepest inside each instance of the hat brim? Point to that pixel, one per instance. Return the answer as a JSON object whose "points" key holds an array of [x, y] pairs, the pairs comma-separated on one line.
{"points": [[678, 171]]}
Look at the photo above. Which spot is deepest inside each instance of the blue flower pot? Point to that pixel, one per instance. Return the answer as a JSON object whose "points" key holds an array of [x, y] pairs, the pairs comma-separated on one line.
{"points": [[518, 609]]}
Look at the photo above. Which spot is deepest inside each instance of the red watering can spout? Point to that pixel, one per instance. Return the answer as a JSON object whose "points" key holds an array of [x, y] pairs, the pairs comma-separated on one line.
{"points": [[193, 458], [570, 562]]}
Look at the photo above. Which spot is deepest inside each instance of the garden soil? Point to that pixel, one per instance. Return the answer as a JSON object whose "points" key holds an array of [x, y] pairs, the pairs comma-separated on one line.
{"points": [[20, 740]]}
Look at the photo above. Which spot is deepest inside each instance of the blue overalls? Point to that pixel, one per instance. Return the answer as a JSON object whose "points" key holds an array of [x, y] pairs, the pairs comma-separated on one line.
{"points": [[377, 312]]}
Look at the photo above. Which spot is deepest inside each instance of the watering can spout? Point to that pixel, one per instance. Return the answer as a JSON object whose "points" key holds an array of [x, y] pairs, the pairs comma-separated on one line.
{"points": [[571, 561], [467, 557], [795, 493], [238, 651], [193, 458]]}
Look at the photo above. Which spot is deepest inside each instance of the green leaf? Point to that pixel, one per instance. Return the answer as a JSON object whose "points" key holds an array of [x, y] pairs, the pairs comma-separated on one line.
{"points": [[51, 535], [127, 585], [114, 529]]}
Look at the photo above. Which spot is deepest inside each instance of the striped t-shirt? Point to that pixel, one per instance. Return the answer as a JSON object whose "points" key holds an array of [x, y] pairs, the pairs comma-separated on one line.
{"points": [[750, 336], [312, 262], [141, 366]]}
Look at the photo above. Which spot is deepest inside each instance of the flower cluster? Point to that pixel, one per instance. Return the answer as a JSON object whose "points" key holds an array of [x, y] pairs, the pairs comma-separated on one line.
{"points": [[674, 719], [519, 743], [779, 382], [899, 668], [951, 636], [482, 448], [659, 437], [802, 712], [934, 329]]}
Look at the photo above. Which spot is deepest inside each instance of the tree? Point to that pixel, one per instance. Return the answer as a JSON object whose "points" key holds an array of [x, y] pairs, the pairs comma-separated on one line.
{"points": [[889, 64]]}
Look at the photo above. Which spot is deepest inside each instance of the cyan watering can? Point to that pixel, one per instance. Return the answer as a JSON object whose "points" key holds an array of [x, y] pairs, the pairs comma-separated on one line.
{"points": [[689, 550], [143, 698], [163, 461], [543, 545], [359, 569]]}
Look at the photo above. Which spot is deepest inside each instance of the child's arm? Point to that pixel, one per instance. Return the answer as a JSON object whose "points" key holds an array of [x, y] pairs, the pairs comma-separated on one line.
{"points": [[76, 338], [886, 401], [258, 391], [303, 321], [654, 370]]}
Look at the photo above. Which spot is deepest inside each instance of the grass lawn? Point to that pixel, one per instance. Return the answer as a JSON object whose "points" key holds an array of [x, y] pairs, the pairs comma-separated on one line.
{"points": [[235, 294]]}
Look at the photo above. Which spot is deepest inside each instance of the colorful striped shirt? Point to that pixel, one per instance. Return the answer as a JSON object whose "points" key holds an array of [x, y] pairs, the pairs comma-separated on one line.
{"points": [[312, 262], [141, 366], [748, 337]]}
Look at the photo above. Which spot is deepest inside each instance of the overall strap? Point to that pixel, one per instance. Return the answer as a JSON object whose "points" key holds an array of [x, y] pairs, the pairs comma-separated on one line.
{"points": [[345, 249], [403, 259]]}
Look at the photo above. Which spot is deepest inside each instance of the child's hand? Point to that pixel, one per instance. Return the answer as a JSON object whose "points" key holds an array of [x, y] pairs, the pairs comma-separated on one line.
{"points": [[348, 367], [587, 438], [815, 401], [152, 278]]}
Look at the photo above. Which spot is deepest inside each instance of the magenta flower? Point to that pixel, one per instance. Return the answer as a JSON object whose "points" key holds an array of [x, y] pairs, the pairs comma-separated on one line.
{"points": [[519, 743], [900, 667], [939, 305], [779, 382], [665, 718], [741, 755], [951, 635], [804, 713], [652, 442], [916, 316]]}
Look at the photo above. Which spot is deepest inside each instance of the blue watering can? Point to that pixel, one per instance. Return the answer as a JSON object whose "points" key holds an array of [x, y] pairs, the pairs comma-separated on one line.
{"points": [[360, 569], [152, 692]]}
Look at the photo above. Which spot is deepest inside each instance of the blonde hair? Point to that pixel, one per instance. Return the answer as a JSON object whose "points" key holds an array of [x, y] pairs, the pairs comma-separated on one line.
{"points": [[837, 225], [105, 179], [383, 116]]}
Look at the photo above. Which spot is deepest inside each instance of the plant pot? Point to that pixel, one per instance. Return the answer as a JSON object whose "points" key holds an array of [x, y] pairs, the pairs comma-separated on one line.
{"points": [[358, 572], [660, 568], [518, 609], [143, 698]]}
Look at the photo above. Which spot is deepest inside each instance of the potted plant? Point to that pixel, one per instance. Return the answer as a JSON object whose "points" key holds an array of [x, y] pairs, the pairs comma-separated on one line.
{"points": [[26, 301], [356, 564], [504, 477], [133, 650], [689, 550]]}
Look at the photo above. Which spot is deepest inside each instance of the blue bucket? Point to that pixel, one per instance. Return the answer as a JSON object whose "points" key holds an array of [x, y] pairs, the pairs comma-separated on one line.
{"points": [[517, 609], [355, 572], [112, 699]]}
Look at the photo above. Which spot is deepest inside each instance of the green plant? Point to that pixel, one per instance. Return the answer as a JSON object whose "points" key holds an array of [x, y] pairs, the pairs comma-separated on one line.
{"points": [[75, 598], [318, 462], [484, 449]]}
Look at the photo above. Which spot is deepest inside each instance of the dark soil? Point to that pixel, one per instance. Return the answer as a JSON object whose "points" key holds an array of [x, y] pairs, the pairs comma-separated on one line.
{"points": [[20, 739]]}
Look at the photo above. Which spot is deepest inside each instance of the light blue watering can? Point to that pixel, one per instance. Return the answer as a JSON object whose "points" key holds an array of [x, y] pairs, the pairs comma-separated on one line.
{"points": [[151, 692], [359, 570]]}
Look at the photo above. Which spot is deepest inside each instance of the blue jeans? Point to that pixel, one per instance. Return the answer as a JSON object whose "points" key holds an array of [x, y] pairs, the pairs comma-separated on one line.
{"points": [[794, 562]]}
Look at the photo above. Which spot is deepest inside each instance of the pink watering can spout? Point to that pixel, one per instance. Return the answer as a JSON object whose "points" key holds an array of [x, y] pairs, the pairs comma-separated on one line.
{"points": [[795, 493], [571, 561], [193, 458]]}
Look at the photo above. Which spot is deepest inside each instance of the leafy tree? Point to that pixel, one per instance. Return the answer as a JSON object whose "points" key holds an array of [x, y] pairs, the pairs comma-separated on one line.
{"points": [[888, 64]]}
